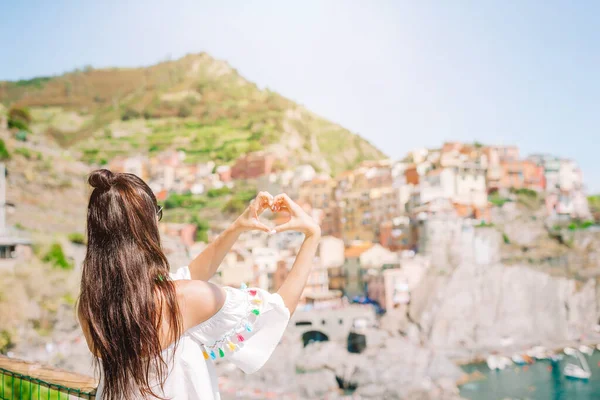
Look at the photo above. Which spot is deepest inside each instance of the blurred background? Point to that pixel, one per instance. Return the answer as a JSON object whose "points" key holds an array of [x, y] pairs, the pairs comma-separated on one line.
{"points": [[447, 151]]}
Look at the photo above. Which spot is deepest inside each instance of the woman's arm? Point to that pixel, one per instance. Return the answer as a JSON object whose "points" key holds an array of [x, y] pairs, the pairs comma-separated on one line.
{"points": [[292, 287], [204, 266]]}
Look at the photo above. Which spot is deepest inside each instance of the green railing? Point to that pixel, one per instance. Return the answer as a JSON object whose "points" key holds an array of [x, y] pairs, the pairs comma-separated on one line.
{"points": [[23, 380]]}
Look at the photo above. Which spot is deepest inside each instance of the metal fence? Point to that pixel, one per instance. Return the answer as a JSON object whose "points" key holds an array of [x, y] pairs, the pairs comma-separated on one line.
{"points": [[30, 381]]}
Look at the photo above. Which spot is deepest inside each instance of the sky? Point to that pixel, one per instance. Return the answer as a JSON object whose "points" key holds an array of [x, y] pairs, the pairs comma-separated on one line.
{"points": [[402, 74]]}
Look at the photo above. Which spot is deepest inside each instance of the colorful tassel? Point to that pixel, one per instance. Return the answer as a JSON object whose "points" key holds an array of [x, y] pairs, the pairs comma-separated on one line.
{"points": [[240, 338], [221, 353], [243, 286], [257, 301], [231, 346], [205, 354], [252, 292], [255, 312], [213, 355], [249, 327]]}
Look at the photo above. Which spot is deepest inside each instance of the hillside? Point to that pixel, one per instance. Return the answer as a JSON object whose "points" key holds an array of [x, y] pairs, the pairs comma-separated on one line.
{"points": [[197, 104]]}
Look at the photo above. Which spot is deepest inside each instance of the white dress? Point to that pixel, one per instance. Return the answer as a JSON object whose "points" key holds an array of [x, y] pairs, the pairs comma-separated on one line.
{"points": [[245, 331]]}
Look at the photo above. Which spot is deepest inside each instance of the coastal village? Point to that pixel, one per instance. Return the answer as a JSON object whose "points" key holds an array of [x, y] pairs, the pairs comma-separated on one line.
{"points": [[375, 219]]}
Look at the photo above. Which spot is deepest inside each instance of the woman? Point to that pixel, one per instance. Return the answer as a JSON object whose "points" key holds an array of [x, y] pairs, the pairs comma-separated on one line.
{"points": [[155, 334]]}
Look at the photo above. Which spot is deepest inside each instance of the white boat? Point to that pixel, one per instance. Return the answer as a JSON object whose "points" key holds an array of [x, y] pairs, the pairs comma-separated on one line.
{"points": [[504, 362], [574, 371], [492, 362], [498, 362], [539, 353], [518, 359], [586, 349], [598, 347]]}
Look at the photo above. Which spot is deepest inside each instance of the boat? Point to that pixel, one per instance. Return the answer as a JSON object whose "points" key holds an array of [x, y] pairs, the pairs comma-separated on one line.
{"points": [[495, 362], [539, 353], [556, 357], [575, 371], [518, 359], [598, 347], [586, 350]]}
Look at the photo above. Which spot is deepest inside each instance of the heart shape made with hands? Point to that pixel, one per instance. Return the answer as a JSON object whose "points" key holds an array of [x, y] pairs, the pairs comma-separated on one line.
{"points": [[275, 204]]}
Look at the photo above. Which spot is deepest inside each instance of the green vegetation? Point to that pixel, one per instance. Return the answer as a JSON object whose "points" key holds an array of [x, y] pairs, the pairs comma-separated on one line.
{"points": [[19, 118], [4, 154], [37, 83], [76, 238], [239, 202], [505, 238], [484, 224], [525, 192], [594, 203], [189, 201], [196, 103], [577, 225], [218, 192], [6, 341], [202, 228], [497, 200], [56, 257], [129, 113], [23, 151], [21, 136]]}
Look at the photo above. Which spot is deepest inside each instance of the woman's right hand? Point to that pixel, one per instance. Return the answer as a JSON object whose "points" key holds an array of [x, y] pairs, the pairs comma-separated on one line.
{"points": [[299, 220], [249, 218]]}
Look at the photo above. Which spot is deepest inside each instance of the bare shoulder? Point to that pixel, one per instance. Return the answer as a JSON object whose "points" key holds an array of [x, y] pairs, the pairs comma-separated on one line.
{"points": [[198, 300]]}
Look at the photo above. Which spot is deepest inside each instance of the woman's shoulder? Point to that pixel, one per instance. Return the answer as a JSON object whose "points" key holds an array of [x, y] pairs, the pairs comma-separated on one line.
{"points": [[198, 300]]}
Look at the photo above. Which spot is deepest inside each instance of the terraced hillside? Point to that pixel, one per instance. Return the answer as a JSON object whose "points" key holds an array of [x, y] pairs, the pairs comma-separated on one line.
{"points": [[197, 104]]}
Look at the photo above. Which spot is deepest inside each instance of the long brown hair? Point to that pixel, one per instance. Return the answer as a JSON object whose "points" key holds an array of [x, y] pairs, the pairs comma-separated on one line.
{"points": [[125, 296]]}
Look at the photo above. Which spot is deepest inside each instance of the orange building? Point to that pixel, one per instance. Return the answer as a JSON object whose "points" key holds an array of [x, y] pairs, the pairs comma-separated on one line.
{"points": [[522, 174], [411, 174]]}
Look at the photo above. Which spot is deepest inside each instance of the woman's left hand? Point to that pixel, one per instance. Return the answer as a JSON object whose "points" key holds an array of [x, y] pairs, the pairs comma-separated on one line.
{"points": [[249, 219]]}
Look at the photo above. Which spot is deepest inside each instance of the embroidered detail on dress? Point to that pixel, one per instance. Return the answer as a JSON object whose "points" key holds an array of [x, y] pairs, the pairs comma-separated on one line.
{"points": [[232, 340]]}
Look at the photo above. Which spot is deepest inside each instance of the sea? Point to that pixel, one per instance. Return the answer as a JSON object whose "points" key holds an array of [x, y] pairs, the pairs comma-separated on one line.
{"points": [[542, 380]]}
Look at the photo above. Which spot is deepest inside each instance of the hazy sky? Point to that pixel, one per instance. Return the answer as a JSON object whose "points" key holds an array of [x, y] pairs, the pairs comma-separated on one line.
{"points": [[403, 74]]}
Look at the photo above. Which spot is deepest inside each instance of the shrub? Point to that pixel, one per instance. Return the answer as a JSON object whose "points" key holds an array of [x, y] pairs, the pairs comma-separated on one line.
{"points": [[77, 238], [129, 113], [525, 192], [202, 236], [505, 238], [21, 136], [6, 342], [184, 201], [56, 257], [234, 206], [212, 193], [202, 227], [24, 152], [4, 154], [19, 114], [184, 111], [16, 124]]}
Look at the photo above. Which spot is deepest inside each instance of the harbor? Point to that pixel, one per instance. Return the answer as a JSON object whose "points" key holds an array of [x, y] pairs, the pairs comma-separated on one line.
{"points": [[573, 373]]}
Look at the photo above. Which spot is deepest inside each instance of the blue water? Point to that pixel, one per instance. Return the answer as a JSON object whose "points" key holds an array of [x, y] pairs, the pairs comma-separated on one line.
{"points": [[542, 380]]}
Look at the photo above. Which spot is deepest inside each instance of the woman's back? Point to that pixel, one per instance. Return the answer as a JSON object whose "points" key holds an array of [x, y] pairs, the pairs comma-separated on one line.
{"points": [[244, 331], [158, 335]]}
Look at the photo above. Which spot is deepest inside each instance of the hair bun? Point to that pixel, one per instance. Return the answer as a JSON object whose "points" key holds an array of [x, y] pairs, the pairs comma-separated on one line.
{"points": [[101, 179]]}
